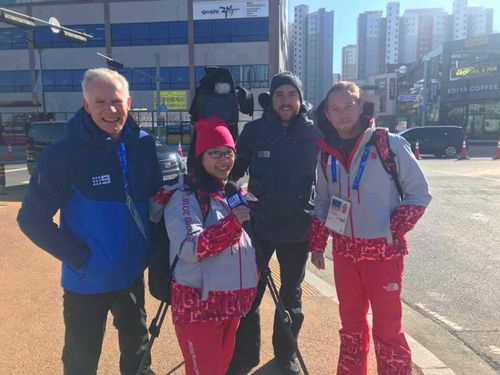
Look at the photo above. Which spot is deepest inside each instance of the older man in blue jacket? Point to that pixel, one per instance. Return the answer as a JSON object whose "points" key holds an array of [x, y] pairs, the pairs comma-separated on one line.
{"points": [[100, 176]]}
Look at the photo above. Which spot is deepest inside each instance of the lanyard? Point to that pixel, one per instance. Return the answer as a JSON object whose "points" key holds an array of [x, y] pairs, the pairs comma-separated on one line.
{"points": [[361, 169], [121, 152], [333, 167]]}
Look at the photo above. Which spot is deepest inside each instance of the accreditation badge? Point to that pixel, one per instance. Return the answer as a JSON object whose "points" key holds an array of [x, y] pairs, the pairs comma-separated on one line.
{"points": [[338, 214]]}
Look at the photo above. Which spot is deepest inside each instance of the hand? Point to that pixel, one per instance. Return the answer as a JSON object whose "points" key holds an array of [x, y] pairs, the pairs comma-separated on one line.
{"points": [[318, 260], [242, 213]]}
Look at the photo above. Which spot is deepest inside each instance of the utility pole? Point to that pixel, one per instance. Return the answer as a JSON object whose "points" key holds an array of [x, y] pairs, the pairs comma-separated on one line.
{"points": [[157, 80], [40, 72], [425, 98]]}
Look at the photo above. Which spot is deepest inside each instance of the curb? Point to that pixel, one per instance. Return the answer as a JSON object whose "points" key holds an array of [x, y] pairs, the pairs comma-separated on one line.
{"points": [[426, 362]]}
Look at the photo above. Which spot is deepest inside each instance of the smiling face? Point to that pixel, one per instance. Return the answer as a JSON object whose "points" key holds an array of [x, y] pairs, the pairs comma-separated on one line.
{"points": [[343, 110], [218, 162], [286, 103], [108, 103]]}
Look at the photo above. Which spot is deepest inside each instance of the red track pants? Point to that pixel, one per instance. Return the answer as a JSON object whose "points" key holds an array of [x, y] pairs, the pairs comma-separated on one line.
{"points": [[375, 283], [207, 347]]}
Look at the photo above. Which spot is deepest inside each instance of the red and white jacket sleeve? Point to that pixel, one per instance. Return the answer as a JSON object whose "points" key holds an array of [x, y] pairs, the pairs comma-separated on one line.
{"points": [[416, 191], [188, 237], [319, 233]]}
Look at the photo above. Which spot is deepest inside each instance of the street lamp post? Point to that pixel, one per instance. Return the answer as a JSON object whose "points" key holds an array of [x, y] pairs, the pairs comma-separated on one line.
{"points": [[425, 101], [401, 70], [40, 72], [28, 22]]}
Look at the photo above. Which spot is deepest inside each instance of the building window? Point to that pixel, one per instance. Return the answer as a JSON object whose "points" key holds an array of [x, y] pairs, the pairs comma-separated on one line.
{"points": [[231, 30], [171, 78], [15, 81], [156, 33], [13, 38], [45, 38]]}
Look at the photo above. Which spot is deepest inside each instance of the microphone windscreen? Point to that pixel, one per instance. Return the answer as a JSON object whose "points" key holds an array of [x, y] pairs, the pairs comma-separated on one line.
{"points": [[231, 188], [264, 100]]}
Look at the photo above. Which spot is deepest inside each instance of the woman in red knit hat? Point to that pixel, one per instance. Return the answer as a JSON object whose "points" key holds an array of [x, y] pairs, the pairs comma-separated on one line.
{"points": [[215, 277]]}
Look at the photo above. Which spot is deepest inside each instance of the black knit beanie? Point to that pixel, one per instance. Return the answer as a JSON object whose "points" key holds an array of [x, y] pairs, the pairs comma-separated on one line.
{"points": [[286, 78]]}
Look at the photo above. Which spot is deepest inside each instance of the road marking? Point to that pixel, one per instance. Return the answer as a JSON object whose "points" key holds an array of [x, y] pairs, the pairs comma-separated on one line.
{"points": [[480, 217], [494, 349], [425, 360], [16, 170], [466, 175], [441, 318]]}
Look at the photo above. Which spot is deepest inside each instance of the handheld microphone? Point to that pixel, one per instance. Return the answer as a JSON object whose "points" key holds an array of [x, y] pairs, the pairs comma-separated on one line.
{"points": [[235, 199], [233, 196]]}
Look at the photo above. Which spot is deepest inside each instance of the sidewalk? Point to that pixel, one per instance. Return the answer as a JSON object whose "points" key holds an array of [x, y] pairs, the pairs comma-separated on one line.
{"points": [[318, 341], [31, 320]]}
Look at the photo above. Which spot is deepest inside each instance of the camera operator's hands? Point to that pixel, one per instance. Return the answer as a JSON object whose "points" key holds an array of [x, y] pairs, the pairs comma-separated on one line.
{"points": [[242, 213], [318, 259]]}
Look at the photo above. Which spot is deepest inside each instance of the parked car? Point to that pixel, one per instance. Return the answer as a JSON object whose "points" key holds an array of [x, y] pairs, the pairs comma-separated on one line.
{"points": [[44, 133], [40, 135], [437, 140]]}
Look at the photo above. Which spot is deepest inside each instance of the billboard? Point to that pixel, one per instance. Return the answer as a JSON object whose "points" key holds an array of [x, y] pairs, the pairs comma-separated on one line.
{"points": [[210, 10], [172, 100]]}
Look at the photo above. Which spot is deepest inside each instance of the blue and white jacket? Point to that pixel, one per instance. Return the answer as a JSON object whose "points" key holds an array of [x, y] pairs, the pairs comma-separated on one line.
{"points": [[98, 241]]}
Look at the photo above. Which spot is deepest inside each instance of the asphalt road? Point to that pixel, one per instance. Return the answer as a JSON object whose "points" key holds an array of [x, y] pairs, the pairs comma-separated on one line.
{"points": [[452, 272], [450, 291]]}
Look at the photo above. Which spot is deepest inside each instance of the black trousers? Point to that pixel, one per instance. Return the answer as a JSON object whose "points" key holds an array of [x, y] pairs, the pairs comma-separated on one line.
{"points": [[85, 323], [292, 259]]}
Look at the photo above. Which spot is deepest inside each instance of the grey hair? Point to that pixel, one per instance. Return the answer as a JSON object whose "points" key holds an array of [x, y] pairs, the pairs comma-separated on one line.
{"points": [[102, 75]]}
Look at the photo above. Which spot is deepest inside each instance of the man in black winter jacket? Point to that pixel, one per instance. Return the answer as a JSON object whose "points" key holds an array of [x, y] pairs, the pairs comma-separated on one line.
{"points": [[280, 155]]}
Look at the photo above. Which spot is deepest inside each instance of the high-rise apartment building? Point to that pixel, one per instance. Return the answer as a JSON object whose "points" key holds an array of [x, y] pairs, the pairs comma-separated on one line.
{"points": [[349, 62], [313, 51], [392, 33], [395, 39], [459, 19], [421, 31], [369, 43], [299, 28]]}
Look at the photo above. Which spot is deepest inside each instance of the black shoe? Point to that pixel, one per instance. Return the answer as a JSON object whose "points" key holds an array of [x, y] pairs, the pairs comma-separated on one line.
{"points": [[289, 367], [239, 369]]}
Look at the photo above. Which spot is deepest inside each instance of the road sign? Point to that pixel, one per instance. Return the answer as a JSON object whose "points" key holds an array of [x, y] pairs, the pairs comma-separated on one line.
{"points": [[408, 98]]}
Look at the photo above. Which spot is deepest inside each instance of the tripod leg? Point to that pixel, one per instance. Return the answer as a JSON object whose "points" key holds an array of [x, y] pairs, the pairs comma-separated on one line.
{"points": [[154, 330]]}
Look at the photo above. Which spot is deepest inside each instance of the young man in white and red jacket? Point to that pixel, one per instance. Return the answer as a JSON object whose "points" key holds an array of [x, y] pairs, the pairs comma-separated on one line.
{"points": [[358, 204]]}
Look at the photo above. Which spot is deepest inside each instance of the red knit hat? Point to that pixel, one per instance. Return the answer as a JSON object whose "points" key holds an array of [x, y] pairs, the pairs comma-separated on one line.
{"points": [[212, 132]]}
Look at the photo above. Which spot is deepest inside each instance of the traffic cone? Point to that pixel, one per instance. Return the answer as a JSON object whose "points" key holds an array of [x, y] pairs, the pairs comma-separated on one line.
{"points": [[417, 151], [179, 149], [463, 152], [10, 153], [497, 154]]}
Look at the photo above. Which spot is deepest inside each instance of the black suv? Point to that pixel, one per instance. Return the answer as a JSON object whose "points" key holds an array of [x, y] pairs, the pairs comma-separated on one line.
{"points": [[437, 140], [44, 133]]}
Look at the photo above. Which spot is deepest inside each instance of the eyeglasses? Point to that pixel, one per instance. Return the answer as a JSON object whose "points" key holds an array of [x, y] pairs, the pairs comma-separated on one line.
{"points": [[215, 154]]}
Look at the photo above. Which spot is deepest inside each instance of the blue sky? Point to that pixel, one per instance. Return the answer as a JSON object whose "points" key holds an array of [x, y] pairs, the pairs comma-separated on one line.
{"points": [[346, 14]]}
